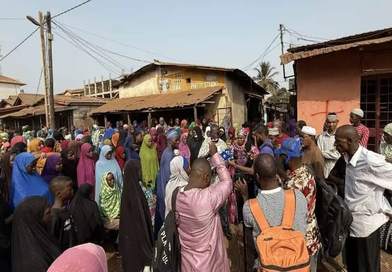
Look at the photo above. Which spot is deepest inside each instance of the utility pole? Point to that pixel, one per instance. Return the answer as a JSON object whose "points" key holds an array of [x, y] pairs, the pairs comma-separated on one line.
{"points": [[46, 51], [49, 37], [44, 63], [281, 29]]}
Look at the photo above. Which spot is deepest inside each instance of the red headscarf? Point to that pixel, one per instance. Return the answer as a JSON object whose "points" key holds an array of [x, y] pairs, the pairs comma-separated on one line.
{"points": [[17, 139], [120, 151]]}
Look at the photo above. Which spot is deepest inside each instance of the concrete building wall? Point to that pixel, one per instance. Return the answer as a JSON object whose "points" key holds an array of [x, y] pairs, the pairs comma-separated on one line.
{"points": [[145, 84], [81, 118], [8, 89], [328, 83]]}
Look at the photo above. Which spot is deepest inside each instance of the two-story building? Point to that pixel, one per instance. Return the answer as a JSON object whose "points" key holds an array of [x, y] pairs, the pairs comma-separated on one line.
{"points": [[185, 91], [9, 86]]}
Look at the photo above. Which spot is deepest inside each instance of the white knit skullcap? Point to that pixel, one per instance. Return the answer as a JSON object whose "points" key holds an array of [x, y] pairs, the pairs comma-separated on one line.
{"points": [[358, 112], [273, 131], [309, 130]]}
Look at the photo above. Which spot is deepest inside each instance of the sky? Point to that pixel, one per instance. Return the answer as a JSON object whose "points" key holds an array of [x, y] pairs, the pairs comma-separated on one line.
{"points": [[226, 33]]}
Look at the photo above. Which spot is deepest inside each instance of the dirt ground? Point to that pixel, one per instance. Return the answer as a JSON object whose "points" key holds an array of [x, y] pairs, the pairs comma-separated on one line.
{"points": [[236, 257]]}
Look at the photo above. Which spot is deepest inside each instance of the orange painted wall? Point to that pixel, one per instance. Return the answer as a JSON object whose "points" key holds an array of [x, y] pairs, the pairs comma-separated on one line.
{"points": [[328, 83]]}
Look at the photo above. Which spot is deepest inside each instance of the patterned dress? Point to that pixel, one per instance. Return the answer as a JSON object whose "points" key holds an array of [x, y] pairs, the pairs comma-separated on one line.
{"points": [[302, 180]]}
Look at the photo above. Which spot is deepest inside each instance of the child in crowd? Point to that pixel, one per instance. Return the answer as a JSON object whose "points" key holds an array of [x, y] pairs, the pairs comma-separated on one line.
{"points": [[62, 226]]}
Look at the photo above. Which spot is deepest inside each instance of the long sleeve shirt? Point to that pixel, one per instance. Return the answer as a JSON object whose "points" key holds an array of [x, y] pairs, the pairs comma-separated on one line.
{"points": [[367, 177], [363, 134], [199, 225], [326, 143]]}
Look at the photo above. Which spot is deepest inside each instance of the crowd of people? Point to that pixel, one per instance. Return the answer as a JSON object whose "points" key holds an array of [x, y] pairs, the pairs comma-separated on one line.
{"points": [[64, 194]]}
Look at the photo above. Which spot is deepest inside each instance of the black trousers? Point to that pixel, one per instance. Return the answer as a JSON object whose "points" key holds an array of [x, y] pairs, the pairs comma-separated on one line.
{"points": [[363, 254]]}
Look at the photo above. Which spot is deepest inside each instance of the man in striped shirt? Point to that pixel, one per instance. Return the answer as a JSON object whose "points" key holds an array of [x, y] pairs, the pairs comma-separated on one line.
{"points": [[356, 116]]}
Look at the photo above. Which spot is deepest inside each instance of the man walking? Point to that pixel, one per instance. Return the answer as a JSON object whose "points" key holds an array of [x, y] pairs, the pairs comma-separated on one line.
{"points": [[356, 116], [367, 177], [326, 143]]}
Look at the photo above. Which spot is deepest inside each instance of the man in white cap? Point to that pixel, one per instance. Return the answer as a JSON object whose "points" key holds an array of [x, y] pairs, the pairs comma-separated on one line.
{"points": [[356, 116], [326, 143], [312, 154], [273, 133]]}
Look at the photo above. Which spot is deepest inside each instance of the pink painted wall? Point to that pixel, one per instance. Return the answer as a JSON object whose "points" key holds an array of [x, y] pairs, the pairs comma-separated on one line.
{"points": [[328, 83]]}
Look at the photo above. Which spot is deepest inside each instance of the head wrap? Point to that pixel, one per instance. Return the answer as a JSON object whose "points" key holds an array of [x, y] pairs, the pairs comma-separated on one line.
{"points": [[388, 129], [332, 117], [309, 130], [172, 134], [291, 148], [273, 131], [358, 112], [79, 137]]}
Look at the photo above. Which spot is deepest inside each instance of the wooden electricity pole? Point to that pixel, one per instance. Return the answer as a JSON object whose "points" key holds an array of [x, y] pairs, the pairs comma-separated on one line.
{"points": [[46, 76], [281, 29], [49, 37]]}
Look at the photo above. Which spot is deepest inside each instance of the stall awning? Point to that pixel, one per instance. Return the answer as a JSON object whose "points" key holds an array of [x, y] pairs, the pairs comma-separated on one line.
{"points": [[158, 101]]}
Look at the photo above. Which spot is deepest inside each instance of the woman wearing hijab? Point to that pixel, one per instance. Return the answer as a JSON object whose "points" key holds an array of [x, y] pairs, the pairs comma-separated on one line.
{"points": [[154, 134], [33, 248], [25, 181], [161, 141], [70, 165], [53, 167], [183, 147], [17, 139], [106, 163], [75, 147], [86, 216], [222, 134], [115, 139], [87, 257], [109, 201], [120, 156], [149, 162], [136, 240], [179, 168], [35, 145], [194, 143], [86, 166], [184, 126]]}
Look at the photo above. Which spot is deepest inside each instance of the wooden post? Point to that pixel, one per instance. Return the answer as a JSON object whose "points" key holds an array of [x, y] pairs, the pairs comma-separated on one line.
{"points": [[105, 118], [89, 88], [84, 88], [49, 37], [44, 64], [95, 87], [102, 87], [129, 118], [195, 113], [110, 86], [149, 119]]}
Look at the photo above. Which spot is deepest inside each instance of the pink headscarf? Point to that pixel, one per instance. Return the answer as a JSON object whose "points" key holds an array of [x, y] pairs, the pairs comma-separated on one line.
{"points": [[87, 257], [154, 134], [17, 139], [183, 147], [86, 166]]}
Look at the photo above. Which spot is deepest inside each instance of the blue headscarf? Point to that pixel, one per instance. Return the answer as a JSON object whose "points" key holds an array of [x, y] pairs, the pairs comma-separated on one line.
{"points": [[108, 133], [24, 184], [103, 166]]}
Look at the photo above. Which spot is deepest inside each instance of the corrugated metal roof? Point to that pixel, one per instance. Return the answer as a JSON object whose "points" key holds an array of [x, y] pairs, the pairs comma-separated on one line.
{"points": [[158, 101], [9, 80], [34, 111], [368, 38]]}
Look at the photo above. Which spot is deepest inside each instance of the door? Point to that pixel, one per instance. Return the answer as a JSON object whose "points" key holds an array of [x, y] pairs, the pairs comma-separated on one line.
{"points": [[376, 102]]}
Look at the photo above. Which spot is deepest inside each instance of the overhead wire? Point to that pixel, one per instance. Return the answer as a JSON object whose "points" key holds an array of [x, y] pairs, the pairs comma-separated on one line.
{"points": [[39, 80], [263, 54], [32, 33], [150, 52], [91, 47], [99, 47], [77, 45]]}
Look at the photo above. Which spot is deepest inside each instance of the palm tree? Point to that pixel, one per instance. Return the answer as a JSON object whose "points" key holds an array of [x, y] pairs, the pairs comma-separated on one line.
{"points": [[264, 77]]}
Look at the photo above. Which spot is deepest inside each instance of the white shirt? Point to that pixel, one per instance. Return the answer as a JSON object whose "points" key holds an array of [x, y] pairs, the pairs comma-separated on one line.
{"points": [[326, 143], [367, 176]]}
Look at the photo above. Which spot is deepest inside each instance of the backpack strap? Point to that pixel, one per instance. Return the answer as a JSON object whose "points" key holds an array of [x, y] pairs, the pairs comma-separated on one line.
{"points": [[258, 214], [174, 199], [289, 209]]}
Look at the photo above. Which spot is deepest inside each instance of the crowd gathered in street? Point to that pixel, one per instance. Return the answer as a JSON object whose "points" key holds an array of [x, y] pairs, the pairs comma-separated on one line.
{"points": [[168, 196]]}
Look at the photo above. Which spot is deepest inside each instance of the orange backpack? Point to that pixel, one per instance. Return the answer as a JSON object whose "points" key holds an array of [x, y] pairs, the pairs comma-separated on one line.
{"points": [[280, 248]]}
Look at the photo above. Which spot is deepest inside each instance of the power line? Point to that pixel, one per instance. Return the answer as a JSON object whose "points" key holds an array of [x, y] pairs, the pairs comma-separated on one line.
{"points": [[32, 33], [19, 44], [97, 46], [296, 33], [68, 10], [39, 80], [88, 53], [90, 47], [150, 52], [262, 55]]}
